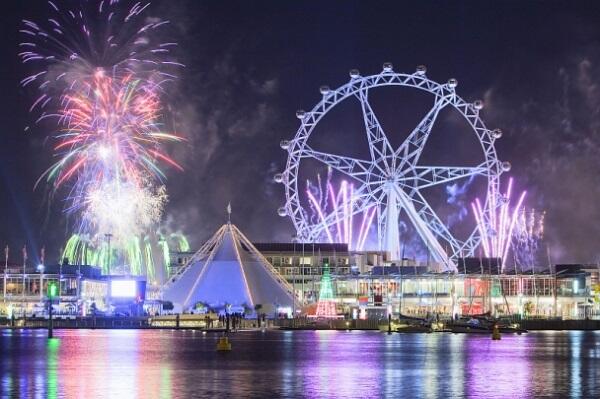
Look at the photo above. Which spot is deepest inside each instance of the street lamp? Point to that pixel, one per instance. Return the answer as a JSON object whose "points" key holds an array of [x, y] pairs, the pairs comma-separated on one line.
{"points": [[52, 294], [108, 236]]}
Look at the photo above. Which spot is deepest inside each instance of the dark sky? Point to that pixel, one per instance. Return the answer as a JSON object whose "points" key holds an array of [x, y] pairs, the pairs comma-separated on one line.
{"points": [[250, 65]]}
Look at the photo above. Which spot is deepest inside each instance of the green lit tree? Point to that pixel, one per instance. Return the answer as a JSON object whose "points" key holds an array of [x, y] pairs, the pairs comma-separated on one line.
{"points": [[326, 304]]}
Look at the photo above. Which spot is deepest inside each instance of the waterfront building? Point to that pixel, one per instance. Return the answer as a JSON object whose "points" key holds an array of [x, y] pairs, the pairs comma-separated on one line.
{"points": [[526, 295], [362, 283], [81, 290], [228, 274], [367, 282]]}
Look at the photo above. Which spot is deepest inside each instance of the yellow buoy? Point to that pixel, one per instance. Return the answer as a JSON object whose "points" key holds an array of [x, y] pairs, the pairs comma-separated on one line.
{"points": [[496, 333], [223, 344]]}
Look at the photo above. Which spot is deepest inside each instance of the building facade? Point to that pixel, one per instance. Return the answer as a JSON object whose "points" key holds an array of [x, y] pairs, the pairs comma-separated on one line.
{"points": [[80, 290], [363, 280]]}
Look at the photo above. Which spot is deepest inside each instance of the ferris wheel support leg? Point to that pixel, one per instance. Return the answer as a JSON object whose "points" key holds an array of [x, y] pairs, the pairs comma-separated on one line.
{"points": [[423, 230], [392, 227], [380, 232]]}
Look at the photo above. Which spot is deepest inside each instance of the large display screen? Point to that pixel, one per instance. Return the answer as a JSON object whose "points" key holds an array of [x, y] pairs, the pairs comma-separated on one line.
{"points": [[123, 288]]}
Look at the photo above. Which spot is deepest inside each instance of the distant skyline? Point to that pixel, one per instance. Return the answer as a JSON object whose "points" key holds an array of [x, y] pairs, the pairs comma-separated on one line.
{"points": [[249, 66]]}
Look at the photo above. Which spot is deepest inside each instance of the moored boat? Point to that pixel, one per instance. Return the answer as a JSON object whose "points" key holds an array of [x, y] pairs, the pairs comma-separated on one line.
{"points": [[484, 324]]}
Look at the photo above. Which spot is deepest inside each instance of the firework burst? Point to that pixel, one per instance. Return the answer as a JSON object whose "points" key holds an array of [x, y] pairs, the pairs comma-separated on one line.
{"points": [[496, 227], [100, 71], [323, 196]]}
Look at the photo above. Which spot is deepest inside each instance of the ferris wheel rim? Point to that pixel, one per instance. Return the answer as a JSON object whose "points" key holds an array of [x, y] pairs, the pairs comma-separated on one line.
{"points": [[359, 84]]}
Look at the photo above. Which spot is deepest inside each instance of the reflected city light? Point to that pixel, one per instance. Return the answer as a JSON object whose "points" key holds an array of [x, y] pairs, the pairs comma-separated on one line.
{"points": [[336, 364], [52, 365]]}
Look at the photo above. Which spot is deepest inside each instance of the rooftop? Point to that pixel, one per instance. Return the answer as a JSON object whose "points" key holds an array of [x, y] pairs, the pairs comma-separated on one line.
{"points": [[299, 247]]}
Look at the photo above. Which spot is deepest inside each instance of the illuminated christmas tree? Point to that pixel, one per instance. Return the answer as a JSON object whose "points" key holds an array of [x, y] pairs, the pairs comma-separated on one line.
{"points": [[326, 304]]}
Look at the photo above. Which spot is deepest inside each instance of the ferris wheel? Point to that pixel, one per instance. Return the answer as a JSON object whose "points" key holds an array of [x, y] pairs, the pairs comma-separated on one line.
{"points": [[391, 179]]}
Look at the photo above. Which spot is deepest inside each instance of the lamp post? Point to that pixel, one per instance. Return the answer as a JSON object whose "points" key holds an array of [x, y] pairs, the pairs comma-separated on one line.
{"points": [[41, 270], [52, 291], [24, 264], [108, 236], [5, 270]]}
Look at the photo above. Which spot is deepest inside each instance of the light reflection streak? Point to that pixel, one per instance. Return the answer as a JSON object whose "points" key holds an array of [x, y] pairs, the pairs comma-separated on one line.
{"points": [[53, 346], [7, 377], [339, 368], [431, 380], [456, 364], [393, 372], [575, 364], [497, 368], [165, 382]]}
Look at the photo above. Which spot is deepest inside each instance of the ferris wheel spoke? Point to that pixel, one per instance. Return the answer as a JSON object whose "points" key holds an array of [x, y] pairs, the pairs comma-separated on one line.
{"points": [[355, 168], [410, 150], [428, 176], [468, 247], [425, 223], [427, 214], [379, 146]]}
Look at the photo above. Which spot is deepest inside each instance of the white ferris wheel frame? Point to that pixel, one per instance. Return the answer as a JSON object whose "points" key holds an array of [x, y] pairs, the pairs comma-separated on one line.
{"points": [[393, 175]]}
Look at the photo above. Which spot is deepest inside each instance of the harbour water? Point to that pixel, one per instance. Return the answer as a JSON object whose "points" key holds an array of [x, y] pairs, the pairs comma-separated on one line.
{"points": [[335, 364]]}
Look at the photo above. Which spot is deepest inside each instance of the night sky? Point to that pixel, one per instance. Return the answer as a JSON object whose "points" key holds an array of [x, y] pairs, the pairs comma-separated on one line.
{"points": [[251, 65]]}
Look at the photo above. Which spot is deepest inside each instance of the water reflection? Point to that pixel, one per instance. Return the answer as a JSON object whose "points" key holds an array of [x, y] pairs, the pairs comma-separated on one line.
{"points": [[457, 360], [575, 381], [166, 364], [338, 366], [497, 369], [52, 347]]}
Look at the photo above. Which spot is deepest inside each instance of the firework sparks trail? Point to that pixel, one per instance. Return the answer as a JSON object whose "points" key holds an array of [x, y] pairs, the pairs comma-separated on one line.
{"points": [[151, 253], [100, 71], [335, 210], [322, 220], [527, 237], [323, 199], [496, 227]]}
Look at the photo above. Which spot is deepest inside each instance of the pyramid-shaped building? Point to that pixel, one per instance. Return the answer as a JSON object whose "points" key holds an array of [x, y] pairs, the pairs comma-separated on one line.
{"points": [[228, 270]]}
